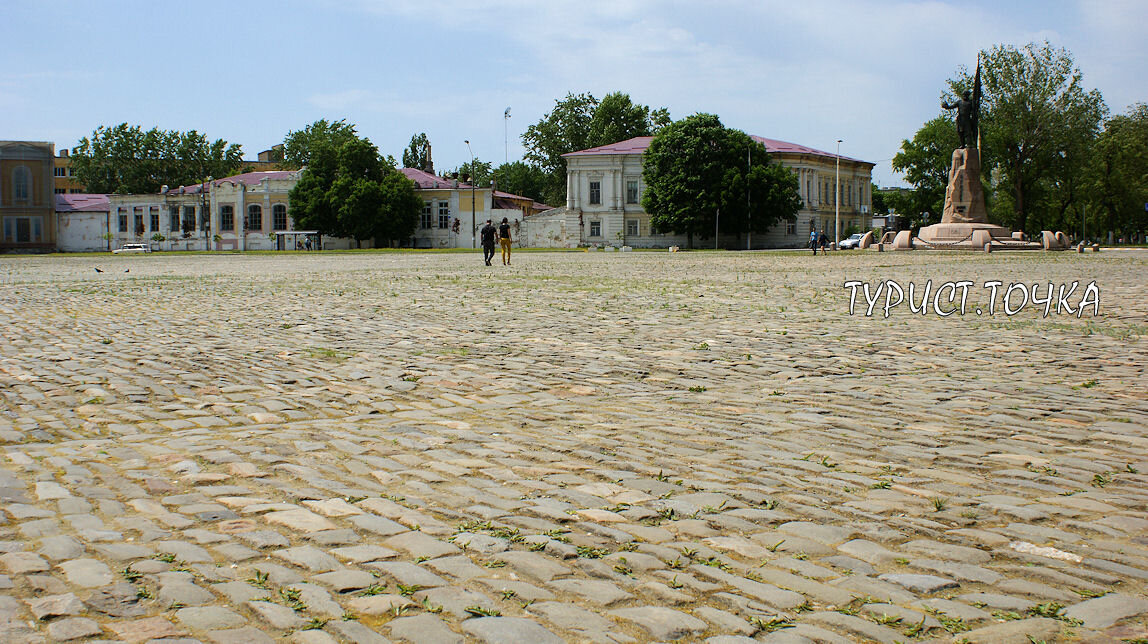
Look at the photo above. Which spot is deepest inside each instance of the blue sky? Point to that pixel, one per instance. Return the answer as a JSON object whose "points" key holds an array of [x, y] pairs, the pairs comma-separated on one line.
{"points": [[810, 72]]}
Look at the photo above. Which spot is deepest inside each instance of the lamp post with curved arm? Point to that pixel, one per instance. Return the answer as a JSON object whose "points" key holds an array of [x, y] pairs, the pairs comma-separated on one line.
{"points": [[473, 212], [837, 201]]}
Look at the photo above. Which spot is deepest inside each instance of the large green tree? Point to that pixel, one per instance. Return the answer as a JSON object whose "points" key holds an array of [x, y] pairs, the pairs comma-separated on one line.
{"points": [[925, 162], [521, 179], [349, 190], [1034, 111], [581, 121], [417, 154], [126, 159], [321, 136], [1119, 173], [696, 168]]}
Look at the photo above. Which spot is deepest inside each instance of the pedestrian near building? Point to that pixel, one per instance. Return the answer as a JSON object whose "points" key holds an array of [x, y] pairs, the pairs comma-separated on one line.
{"points": [[823, 239], [813, 240], [488, 232], [505, 241]]}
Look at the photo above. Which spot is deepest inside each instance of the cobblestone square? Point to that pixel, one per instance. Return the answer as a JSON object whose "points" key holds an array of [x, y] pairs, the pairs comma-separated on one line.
{"points": [[590, 447]]}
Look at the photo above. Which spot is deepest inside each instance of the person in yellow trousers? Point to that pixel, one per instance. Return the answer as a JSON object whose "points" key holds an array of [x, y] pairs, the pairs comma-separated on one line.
{"points": [[504, 240]]}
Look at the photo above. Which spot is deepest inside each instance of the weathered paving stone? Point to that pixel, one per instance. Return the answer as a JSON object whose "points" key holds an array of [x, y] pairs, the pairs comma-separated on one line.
{"points": [[87, 573], [355, 632], [142, 630], [244, 635], [308, 557], [423, 629], [601, 593], [276, 615], [508, 630], [300, 519], [73, 628], [662, 623], [1102, 612], [117, 600], [1015, 632], [923, 584], [55, 606], [204, 618], [17, 563]]}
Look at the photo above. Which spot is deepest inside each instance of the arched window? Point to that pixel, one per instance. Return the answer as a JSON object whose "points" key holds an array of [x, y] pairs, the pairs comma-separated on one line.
{"points": [[254, 218], [279, 217], [21, 183]]}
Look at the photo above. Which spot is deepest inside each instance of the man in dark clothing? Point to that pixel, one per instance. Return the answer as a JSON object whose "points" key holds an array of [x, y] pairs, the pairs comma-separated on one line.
{"points": [[488, 232], [504, 240]]}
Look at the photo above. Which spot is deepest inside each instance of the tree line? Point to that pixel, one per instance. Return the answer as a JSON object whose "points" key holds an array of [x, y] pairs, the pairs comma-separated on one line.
{"points": [[696, 170], [1051, 153]]}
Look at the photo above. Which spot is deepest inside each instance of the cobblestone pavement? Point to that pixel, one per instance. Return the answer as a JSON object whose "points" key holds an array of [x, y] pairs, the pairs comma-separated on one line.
{"points": [[597, 447]]}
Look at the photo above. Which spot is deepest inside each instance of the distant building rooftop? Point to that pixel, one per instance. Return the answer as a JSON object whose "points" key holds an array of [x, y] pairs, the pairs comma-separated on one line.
{"points": [[639, 144], [247, 179], [80, 202], [427, 181]]}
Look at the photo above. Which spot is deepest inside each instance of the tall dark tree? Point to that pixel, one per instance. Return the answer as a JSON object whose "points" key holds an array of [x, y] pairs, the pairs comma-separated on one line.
{"points": [[1033, 110], [125, 159], [1119, 173], [521, 179], [417, 154], [300, 146], [582, 121], [349, 190], [697, 167]]}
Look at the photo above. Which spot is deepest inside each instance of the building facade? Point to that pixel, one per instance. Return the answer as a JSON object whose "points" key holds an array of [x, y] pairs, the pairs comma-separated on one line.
{"points": [[27, 196], [604, 188], [452, 212], [65, 180]]}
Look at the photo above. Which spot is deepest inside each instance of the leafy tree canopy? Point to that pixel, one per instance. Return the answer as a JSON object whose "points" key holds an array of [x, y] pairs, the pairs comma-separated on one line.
{"points": [[521, 179], [127, 160], [696, 167], [581, 121], [322, 136], [348, 189], [417, 154], [1118, 175], [925, 161]]}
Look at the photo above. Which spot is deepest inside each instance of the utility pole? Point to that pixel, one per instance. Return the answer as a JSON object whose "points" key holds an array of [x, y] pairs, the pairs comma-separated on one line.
{"points": [[837, 202], [506, 135]]}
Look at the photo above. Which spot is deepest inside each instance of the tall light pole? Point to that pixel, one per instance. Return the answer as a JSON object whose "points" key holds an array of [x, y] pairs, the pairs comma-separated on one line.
{"points": [[206, 213], [837, 202], [473, 212], [506, 135]]}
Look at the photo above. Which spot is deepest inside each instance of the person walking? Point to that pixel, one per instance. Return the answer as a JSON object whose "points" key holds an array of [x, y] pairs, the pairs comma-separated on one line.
{"points": [[813, 240], [487, 234], [823, 239], [504, 240]]}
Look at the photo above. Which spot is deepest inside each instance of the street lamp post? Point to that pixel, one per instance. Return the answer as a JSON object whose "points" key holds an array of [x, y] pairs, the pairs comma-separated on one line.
{"points": [[506, 135], [837, 201], [206, 214], [473, 212]]}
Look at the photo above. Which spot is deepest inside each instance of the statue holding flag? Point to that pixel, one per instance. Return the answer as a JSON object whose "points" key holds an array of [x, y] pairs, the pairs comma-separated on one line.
{"points": [[968, 113]]}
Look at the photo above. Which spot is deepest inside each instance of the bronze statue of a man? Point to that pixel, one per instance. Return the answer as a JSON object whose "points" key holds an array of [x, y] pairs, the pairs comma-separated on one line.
{"points": [[966, 118]]}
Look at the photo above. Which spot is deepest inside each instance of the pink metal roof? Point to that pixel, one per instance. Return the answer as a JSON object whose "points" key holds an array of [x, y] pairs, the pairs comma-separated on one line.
{"points": [[428, 181], [81, 203], [247, 179], [639, 144]]}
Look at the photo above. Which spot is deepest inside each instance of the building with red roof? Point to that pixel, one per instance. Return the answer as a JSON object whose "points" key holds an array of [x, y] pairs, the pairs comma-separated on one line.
{"points": [[604, 188]]}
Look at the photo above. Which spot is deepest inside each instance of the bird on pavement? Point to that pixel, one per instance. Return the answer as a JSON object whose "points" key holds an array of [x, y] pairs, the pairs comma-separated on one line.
{"points": [[98, 270]]}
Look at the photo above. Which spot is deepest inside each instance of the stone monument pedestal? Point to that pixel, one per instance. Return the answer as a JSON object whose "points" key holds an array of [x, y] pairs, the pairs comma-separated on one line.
{"points": [[965, 222]]}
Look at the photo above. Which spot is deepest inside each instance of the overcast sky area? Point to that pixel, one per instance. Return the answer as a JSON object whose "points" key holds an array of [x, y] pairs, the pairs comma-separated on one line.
{"points": [[810, 72]]}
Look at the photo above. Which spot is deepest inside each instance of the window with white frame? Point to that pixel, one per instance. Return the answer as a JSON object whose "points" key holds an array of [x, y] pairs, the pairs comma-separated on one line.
{"points": [[426, 219], [791, 226], [61, 171], [631, 227], [444, 214], [122, 219], [173, 218], [595, 229], [632, 191], [595, 192], [188, 219], [153, 218], [138, 220]]}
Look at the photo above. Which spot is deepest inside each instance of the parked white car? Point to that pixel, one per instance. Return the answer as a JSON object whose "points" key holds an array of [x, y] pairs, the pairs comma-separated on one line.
{"points": [[132, 248], [852, 242]]}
